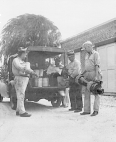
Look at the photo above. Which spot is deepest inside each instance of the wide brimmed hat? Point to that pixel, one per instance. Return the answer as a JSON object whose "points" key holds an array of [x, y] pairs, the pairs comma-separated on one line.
{"points": [[70, 53], [22, 49]]}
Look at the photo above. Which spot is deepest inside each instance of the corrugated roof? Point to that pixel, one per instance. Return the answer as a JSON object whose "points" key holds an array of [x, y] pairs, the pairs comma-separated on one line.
{"points": [[98, 34], [89, 30]]}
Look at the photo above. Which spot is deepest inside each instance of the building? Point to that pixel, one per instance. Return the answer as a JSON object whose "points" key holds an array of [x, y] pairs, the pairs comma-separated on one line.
{"points": [[104, 38]]}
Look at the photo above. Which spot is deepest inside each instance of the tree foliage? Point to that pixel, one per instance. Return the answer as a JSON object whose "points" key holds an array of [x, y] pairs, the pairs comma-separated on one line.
{"points": [[29, 30]]}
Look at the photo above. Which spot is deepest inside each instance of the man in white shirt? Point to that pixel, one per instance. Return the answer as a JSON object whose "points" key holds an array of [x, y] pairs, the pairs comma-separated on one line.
{"points": [[21, 71], [74, 69]]}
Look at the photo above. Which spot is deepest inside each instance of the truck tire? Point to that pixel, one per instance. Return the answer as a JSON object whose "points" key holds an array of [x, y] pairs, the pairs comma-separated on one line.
{"points": [[56, 101], [1, 98]]}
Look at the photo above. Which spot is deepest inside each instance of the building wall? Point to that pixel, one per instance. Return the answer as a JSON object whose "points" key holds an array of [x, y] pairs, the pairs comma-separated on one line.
{"points": [[108, 66], [104, 38]]}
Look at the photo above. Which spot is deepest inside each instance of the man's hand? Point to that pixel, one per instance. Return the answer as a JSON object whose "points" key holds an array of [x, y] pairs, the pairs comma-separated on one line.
{"points": [[96, 78], [33, 73]]}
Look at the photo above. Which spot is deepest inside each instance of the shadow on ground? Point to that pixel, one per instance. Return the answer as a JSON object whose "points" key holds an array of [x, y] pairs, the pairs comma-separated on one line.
{"points": [[42, 105], [36, 106]]}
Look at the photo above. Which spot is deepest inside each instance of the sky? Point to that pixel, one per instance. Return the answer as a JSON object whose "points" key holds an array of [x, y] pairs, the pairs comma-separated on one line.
{"points": [[71, 16]]}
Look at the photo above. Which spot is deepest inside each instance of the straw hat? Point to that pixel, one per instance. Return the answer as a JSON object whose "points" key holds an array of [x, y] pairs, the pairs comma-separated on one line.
{"points": [[87, 43], [22, 49]]}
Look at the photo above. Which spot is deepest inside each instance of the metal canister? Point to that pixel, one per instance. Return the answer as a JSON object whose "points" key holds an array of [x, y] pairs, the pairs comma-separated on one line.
{"points": [[39, 82], [41, 72], [37, 72], [36, 82], [32, 82], [45, 82]]}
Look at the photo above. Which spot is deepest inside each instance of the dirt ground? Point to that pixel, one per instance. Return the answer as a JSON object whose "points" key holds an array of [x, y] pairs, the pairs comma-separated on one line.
{"points": [[48, 124]]}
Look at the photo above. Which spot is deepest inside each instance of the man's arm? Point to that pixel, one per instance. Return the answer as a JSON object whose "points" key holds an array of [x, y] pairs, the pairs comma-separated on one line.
{"points": [[18, 65], [97, 65], [29, 71], [22, 68], [96, 72]]}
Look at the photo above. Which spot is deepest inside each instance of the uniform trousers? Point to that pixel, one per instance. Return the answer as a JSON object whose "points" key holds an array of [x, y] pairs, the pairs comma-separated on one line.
{"points": [[75, 94], [20, 87], [90, 76]]}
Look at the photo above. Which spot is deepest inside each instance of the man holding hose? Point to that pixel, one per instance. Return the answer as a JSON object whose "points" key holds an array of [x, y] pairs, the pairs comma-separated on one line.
{"points": [[92, 72]]}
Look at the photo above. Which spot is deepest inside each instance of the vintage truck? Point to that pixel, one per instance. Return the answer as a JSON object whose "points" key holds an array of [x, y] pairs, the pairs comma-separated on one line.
{"points": [[41, 87]]}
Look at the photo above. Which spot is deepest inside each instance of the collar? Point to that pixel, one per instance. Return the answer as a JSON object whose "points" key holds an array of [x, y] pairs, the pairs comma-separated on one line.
{"points": [[20, 59], [92, 51], [73, 61]]}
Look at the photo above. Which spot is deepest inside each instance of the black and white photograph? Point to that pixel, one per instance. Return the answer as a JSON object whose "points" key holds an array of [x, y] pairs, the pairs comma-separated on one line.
{"points": [[58, 71]]}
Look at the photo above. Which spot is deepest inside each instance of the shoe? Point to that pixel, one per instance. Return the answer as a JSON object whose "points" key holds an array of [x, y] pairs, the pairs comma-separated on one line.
{"points": [[77, 110], [94, 113], [25, 115], [65, 106], [84, 113], [17, 113], [71, 109], [62, 106]]}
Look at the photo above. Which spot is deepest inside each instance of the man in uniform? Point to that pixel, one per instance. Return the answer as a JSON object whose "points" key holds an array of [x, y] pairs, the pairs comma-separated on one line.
{"points": [[92, 72], [75, 93], [21, 73]]}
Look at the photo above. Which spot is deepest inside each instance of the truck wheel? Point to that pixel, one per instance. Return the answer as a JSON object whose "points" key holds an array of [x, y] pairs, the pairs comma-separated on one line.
{"points": [[1, 98], [56, 101], [13, 102]]}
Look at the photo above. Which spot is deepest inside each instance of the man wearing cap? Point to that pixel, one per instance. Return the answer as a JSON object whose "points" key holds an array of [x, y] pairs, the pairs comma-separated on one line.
{"points": [[75, 94], [92, 72], [21, 71]]}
